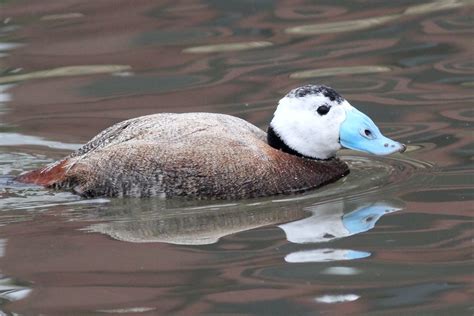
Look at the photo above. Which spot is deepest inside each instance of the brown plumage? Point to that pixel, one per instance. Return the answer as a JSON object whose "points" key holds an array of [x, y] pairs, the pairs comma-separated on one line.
{"points": [[196, 155]]}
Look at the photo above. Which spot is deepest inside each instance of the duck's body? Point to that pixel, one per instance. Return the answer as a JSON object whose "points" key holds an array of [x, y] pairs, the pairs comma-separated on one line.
{"points": [[216, 156], [199, 155]]}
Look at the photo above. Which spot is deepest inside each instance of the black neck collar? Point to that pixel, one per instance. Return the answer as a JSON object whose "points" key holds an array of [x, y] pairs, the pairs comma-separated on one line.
{"points": [[276, 142]]}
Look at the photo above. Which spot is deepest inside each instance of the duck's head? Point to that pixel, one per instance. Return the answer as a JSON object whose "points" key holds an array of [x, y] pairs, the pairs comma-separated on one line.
{"points": [[314, 121]]}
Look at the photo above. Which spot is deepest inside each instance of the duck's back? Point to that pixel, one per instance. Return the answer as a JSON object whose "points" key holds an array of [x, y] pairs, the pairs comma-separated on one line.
{"points": [[199, 155]]}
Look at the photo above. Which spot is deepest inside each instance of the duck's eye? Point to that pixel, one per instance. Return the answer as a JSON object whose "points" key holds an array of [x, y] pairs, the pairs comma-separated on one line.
{"points": [[323, 109], [367, 133]]}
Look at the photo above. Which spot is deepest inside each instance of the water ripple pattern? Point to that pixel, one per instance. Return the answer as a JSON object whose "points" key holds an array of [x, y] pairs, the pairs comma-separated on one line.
{"points": [[393, 237]]}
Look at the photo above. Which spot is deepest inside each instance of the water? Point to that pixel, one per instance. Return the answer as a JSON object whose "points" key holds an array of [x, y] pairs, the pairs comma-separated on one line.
{"points": [[394, 237]]}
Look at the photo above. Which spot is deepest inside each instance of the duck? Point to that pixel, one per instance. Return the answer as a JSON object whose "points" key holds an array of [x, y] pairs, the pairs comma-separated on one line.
{"points": [[220, 157]]}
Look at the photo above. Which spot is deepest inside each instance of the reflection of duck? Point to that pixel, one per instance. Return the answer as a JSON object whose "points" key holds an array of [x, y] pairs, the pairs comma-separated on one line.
{"points": [[206, 155], [328, 222], [147, 222]]}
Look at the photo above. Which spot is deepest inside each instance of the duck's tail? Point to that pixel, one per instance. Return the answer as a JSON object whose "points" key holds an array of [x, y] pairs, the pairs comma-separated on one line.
{"points": [[46, 176]]}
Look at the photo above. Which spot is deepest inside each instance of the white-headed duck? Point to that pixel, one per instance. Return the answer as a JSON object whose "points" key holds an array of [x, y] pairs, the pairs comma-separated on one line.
{"points": [[217, 156]]}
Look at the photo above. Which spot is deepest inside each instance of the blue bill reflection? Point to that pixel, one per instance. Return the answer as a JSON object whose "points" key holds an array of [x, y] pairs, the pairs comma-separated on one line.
{"points": [[332, 221]]}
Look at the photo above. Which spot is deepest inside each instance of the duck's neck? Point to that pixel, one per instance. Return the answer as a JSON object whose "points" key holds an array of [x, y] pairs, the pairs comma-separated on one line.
{"points": [[275, 141]]}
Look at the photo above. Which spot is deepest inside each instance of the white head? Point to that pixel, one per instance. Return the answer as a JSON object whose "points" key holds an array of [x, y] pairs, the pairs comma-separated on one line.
{"points": [[315, 121]]}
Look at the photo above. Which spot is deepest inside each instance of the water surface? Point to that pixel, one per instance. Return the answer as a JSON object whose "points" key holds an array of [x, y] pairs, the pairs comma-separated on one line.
{"points": [[394, 237]]}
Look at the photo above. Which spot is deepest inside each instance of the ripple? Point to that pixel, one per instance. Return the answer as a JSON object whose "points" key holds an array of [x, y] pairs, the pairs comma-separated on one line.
{"points": [[12, 163], [19, 196], [127, 310], [456, 66], [362, 24], [16, 139], [174, 37], [140, 84], [434, 6], [370, 174], [455, 25], [414, 129], [341, 26], [65, 72], [262, 58], [14, 196], [229, 47], [324, 72], [464, 114], [62, 16], [309, 11]]}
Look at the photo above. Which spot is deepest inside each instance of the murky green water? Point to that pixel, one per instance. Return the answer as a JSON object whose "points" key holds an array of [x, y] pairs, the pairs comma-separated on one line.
{"points": [[394, 237]]}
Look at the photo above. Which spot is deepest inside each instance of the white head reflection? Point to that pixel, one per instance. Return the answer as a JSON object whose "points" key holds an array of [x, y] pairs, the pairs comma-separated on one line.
{"points": [[329, 222]]}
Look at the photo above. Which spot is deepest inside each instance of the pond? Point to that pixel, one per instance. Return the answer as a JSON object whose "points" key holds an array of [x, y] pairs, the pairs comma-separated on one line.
{"points": [[393, 237]]}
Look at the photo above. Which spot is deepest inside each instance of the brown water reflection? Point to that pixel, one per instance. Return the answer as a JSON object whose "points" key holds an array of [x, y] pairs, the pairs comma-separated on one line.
{"points": [[71, 68]]}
